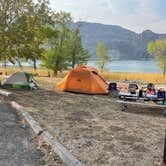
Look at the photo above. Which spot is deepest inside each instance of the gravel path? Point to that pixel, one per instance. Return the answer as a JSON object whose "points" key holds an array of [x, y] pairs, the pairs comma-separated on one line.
{"points": [[17, 147]]}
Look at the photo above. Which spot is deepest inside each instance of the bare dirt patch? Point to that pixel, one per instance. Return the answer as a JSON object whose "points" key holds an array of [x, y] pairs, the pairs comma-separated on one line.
{"points": [[19, 145], [93, 127]]}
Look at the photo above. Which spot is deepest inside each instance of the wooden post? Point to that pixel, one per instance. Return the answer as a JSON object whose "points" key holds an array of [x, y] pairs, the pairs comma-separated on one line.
{"points": [[124, 106], [164, 111], [164, 155]]}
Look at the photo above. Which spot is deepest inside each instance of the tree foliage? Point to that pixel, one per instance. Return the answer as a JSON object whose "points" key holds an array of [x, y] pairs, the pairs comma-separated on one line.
{"points": [[30, 30], [54, 56], [10, 12], [157, 49], [76, 53], [66, 49], [21, 29], [103, 56]]}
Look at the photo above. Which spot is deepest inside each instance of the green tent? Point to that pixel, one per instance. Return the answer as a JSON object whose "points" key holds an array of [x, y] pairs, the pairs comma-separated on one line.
{"points": [[20, 80]]}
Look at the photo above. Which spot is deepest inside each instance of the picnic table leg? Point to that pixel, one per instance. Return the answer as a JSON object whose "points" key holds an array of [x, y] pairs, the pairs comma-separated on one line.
{"points": [[164, 111], [164, 103], [124, 106]]}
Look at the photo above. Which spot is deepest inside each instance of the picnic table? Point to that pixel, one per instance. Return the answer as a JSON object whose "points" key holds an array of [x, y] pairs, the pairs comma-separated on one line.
{"points": [[134, 99], [125, 94], [125, 104]]}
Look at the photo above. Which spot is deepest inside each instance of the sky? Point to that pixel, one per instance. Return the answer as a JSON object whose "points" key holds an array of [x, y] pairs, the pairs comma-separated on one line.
{"points": [[136, 15]]}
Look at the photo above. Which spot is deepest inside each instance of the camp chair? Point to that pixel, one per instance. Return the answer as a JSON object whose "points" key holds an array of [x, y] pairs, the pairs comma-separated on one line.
{"points": [[112, 86], [132, 88], [150, 89], [150, 86]]}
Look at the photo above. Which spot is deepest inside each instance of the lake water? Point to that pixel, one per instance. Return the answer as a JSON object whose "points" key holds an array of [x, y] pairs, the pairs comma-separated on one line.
{"points": [[130, 66], [122, 66]]}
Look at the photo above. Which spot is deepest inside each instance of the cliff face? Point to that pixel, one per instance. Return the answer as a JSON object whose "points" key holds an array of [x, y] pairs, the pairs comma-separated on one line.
{"points": [[121, 43]]}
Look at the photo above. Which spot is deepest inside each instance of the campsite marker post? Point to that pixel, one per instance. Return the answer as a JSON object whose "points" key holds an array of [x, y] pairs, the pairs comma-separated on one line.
{"points": [[164, 155]]}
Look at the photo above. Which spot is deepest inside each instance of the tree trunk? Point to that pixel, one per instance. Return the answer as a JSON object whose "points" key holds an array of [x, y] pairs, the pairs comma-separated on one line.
{"points": [[102, 67], [164, 69], [5, 66], [19, 64], [34, 64], [55, 73], [49, 74], [73, 63]]}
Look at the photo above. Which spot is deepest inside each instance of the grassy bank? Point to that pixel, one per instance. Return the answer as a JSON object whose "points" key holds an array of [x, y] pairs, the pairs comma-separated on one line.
{"points": [[144, 77]]}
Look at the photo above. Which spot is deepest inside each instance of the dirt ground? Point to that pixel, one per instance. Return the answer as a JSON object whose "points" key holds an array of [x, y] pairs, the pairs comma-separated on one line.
{"points": [[94, 128], [18, 144]]}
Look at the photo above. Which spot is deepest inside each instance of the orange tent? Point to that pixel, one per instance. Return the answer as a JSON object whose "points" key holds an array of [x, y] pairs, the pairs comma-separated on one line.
{"points": [[83, 79]]}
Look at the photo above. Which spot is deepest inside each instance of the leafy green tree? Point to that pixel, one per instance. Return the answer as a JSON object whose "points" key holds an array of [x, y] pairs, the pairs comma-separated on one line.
{"points": [[10, 11], [39, 18], [55, 54], [51, 60], [157, 49], [22, 30], [102, 55], [75, 51]]}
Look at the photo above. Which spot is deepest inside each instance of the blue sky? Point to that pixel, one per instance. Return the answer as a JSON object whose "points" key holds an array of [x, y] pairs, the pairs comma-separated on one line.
{"points": [[136, 15]]}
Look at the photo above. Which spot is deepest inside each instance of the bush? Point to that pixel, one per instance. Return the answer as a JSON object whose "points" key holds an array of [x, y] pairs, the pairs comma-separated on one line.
{"points": [[35, 74]]}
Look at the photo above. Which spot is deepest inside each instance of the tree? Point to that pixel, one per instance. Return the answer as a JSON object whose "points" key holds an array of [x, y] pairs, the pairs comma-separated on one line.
{"points": [[75, 51], [157, 49], [53, 57], [38, 19], [55, 54], [10, 11], [21, 30], [51, 60], [103, 56]]}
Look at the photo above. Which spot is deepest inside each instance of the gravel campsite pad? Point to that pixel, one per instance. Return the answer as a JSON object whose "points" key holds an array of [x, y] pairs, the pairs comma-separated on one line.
{"points": [[18, 145], [94, 129]]}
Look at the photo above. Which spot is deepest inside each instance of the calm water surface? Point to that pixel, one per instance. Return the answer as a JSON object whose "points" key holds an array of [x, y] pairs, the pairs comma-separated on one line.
{"points": [[119, 66], [130, 66]]}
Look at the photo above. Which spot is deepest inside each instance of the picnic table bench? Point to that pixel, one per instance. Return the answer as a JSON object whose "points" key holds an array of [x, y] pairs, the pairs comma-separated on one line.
{"points": [[125, 104]]}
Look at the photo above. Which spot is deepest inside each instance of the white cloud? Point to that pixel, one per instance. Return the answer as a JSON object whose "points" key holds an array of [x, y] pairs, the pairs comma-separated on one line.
{"points": [[136, 15]]}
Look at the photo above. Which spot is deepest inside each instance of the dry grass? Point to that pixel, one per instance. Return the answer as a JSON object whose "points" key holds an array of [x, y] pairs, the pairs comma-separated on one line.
{"points": [[38, 72], [144, 77], [94, 129]]}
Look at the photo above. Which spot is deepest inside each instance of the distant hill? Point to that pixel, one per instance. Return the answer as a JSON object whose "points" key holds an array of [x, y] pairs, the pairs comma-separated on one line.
{"points": [[121, 43]]}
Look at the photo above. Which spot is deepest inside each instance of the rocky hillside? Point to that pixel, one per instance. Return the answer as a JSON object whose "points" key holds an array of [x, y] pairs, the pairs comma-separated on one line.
{"points": [[121, 43]]}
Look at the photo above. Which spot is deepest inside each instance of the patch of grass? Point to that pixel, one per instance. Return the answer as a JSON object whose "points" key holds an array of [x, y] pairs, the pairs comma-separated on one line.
{"points": [[143, 77]]}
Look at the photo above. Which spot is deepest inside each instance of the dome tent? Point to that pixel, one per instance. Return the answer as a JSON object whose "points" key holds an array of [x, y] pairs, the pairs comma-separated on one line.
{"points": [[20, 80], [83, 79]]}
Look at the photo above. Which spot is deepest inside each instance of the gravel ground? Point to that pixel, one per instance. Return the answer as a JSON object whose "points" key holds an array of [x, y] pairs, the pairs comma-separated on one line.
{"points": [[18, 145]]}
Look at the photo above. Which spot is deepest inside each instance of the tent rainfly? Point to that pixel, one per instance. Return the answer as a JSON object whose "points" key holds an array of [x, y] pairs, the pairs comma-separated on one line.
{"points": [[20, 80], [83, 79]]}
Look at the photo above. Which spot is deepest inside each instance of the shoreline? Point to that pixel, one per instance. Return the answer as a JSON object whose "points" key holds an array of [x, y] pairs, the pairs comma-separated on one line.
{"points": [[109, 76]]}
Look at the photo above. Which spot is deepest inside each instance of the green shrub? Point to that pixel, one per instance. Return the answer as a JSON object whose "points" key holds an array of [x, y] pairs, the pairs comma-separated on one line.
{"points": [[35, 74]]}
